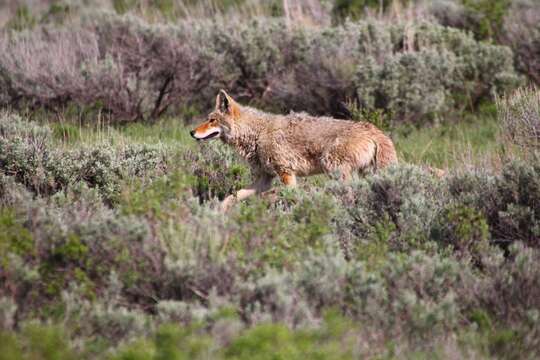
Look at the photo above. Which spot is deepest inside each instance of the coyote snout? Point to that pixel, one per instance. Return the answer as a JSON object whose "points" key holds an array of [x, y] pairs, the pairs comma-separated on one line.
{"points": [[297, 144], [205, 132]]}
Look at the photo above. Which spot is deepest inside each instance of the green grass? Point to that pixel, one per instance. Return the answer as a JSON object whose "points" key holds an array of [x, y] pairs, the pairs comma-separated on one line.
{"points": [[445, 145], [448, 145], [278, 256], [168, 131]]}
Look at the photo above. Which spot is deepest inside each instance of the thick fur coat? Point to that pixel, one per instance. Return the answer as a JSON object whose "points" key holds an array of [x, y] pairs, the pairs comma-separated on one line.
{"points": [[297, 144]]}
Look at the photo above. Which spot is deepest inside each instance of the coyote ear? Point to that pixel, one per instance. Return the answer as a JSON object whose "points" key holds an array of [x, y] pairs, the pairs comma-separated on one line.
{"points": [[226, 104]]}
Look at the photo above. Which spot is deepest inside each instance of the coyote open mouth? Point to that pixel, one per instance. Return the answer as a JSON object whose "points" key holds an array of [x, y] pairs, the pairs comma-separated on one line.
{"points": [[210, 136]]}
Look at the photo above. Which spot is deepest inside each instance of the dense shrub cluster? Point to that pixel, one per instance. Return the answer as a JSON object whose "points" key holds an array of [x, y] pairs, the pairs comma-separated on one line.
{"points": [[27, 153], [481, 17], [519, 114], [217, 171], [522, 34], [115, 249], [137, 71], [414, 259], [354, 9], [513, 23], [122, 66]]}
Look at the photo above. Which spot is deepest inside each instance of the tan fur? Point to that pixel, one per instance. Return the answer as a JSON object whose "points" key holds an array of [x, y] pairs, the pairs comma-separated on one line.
{"points": [[294, 145], [440, 173]]}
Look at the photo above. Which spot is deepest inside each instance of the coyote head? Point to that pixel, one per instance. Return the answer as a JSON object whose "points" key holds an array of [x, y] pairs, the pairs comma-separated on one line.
{"points": [[219, 122]]}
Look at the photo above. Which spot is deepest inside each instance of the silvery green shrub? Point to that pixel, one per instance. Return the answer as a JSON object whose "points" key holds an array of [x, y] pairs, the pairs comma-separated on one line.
{"points": [[396, 207], [422, 293], [522, 34], [515, 281], [28, 155], [7, 312], [482, 18], [119, 66], [136, 71], [106, 316], [509, 202], [519, 116], [78, 239], [414, 71], [407, 260]]}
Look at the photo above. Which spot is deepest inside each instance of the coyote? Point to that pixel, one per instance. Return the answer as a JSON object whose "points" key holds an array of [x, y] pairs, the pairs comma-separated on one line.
{"points": [[293, 145]]}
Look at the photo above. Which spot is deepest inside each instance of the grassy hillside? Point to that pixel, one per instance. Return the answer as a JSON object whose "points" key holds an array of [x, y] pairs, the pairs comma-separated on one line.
{"points": [[112, 244]]}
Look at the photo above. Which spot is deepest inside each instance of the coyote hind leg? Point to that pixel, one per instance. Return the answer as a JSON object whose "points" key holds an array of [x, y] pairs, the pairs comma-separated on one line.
{"points": [[338, 171], [345, 174]]}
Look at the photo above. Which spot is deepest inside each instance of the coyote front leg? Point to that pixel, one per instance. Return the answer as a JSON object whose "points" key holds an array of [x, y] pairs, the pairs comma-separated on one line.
{"points": [[288, 179], [262, 184]]}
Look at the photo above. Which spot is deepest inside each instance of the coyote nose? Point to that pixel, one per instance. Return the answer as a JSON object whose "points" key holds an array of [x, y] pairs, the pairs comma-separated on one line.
{"points": [[192, 133]]}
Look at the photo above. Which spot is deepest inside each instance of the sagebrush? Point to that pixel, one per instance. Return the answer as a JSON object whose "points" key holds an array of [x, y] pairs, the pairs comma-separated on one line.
{"points": [[121, 257]]}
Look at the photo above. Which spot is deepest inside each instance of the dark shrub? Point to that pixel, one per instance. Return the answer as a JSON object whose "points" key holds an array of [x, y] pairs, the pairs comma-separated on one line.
{"points": [[509, 202], [354, 9], [483, 18], [135, 71], [464, 229], [217, 171], [117, 65]]}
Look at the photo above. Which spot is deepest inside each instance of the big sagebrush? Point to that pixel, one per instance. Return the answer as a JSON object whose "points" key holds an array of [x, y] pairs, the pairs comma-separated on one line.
{"points": [[131, 70]]}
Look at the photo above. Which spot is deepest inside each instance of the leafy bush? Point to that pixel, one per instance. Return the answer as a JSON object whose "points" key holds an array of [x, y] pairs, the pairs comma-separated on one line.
{"points": [[354, 9], [508, 202], [27, 154], [395, 208], [463, 228], [522, 34], [23, 19], [36, 342], [414, 259], [117, 65], [519, 115], [483, 18], [513, 23], [486, 16], [414, 72], [135, 71], [216, 170], [116, 249]]}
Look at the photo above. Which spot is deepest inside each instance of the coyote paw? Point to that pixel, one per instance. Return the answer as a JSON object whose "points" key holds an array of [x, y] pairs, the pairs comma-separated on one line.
{"points": [[272, 195], [227, 203]]}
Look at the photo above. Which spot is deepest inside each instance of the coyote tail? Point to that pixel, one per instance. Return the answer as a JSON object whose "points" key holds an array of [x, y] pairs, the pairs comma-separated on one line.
{"points": [[385, 155]]}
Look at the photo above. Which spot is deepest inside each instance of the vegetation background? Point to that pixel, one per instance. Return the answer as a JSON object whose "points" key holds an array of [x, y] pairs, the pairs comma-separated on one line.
{"points": [[111, 242]]}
